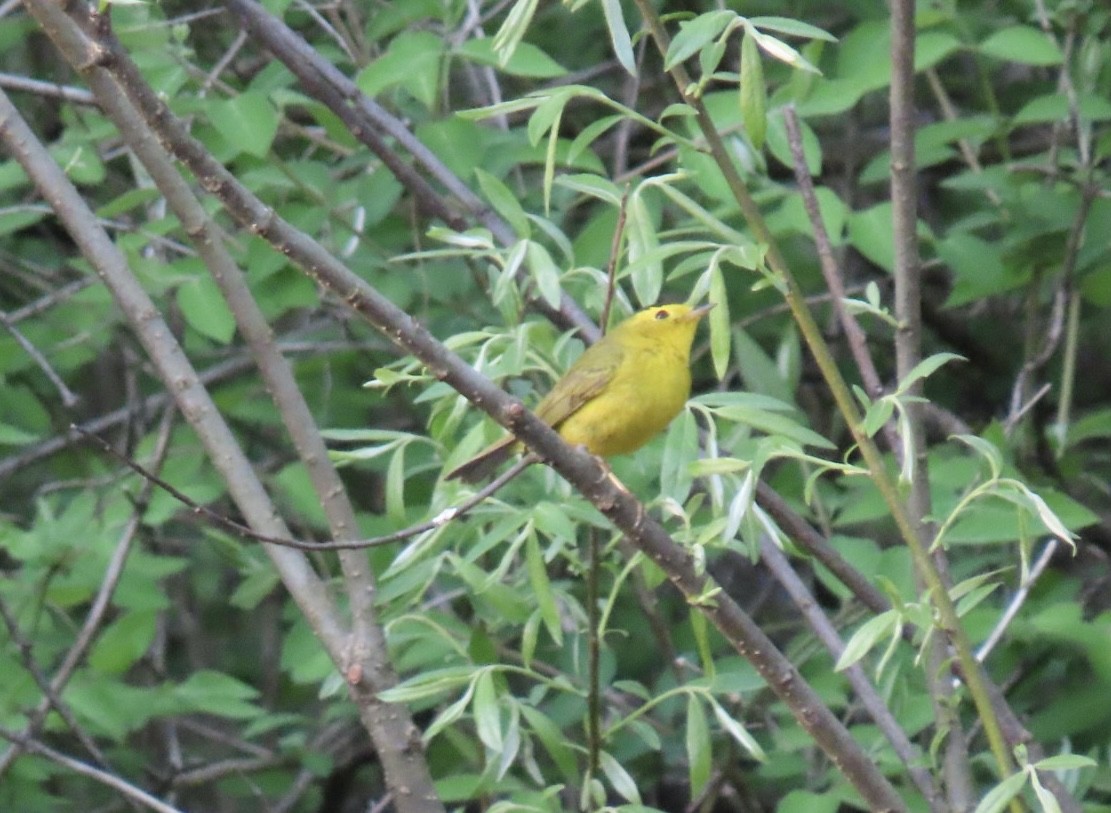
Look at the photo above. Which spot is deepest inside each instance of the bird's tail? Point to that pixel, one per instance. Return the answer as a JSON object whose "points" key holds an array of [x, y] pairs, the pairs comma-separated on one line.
{"points": [[483, 464]]}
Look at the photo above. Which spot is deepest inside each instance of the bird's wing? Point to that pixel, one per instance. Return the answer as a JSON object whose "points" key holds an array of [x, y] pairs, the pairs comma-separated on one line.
{"points": [[584, 380]]}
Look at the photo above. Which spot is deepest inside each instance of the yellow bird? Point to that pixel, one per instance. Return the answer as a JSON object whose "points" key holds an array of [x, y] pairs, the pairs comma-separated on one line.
{"points": [[619, 394]]}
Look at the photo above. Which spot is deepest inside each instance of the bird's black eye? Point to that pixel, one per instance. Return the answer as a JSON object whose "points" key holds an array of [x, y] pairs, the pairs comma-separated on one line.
{"points": [[662, 314]]}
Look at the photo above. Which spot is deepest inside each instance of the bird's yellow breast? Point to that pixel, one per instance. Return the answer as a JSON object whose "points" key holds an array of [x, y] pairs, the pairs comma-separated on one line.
{"points": [[649, 388]]}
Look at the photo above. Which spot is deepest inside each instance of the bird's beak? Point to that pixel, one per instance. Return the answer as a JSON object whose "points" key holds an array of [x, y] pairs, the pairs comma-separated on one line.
{"points": [[700, 311]]}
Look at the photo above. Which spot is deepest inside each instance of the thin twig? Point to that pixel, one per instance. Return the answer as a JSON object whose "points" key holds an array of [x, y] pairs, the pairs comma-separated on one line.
{"points": [[48, 90], [69, 400], [129, 790], [1017, 600], [831, 271], [245, 532]]}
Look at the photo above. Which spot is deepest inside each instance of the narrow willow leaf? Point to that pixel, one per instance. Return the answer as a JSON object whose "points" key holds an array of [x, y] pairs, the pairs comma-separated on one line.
{"points": [[548, 114], [785, 25], [513, 29], [1048, 800], [395, 487], [987, 450], [694, 34], [428, 684], [619, 778], [699, 752], [553, 740], [865, 638], [449, 715], [545, 272], [721, 338], [619, 35], [593, 185], [1065, 762], [1037, 506], [512, 744], [778, 49], [738, 732], [505, 203], [542, 589], [754, 94], [739, 506], [1000, 796], [487, 714], [641, 231], [549, 162], [589, 134], [926, 367]]}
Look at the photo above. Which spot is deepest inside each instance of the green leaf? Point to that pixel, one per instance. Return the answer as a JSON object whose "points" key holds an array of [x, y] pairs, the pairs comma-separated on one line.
{"points": [[81, 163], [1000, 796], [1055, 107], [699, 750], [801, 801], [123, 642], [620, 779], [248, 121], [780, 147], [14, 436], [680, 444], [111, 708], [487, 716], [16, 219], [587, 136], [212, 692], [932, 47], [754, 95], [927, 367], [619, 36], [720, 335], [542, 589], [870, 233], [505, 203], [695, 34], [450, 714], [1046, 799], [412, 62], [796, 28], [870, 633], [1022, 44], [553, 740], [738, 732], [545, 272], [758, 370], [395, 486], [526, 60], [428, 684], [1065, 762], [778, 49], [205, 310], [979, 268], [641, 233], [513, 29], [793, 217]]}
